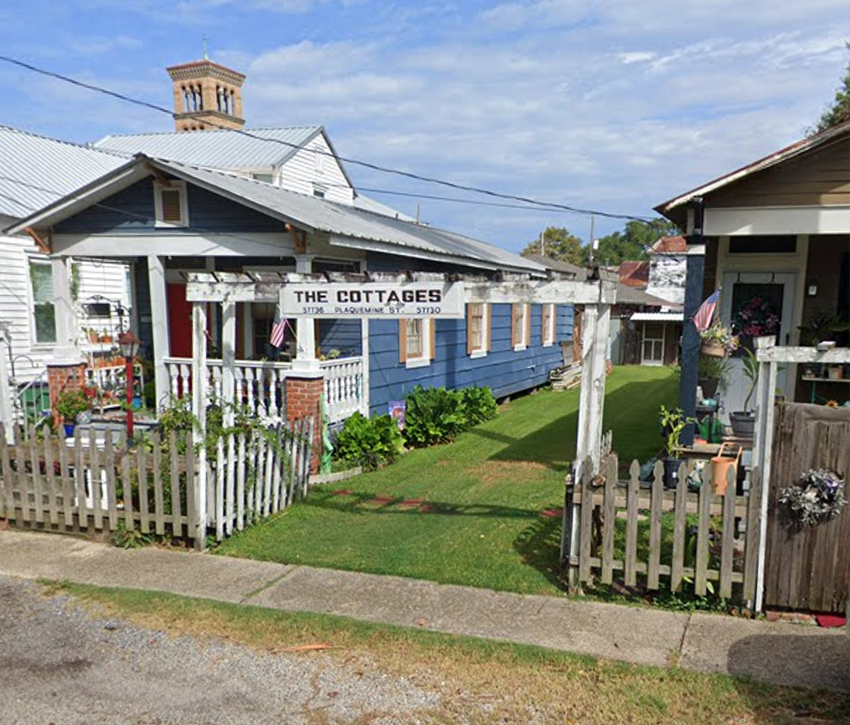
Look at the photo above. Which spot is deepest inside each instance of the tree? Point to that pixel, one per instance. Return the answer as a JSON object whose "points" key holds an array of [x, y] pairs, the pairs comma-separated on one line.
{"points": [[558, 244], [839, 111], [633, 242]]}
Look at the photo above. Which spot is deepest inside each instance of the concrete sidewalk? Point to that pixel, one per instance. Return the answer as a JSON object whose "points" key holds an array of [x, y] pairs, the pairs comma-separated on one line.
{"points": [[778, 652]]}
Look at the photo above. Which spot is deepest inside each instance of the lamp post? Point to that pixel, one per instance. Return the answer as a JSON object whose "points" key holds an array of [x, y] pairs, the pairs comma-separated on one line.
{"points": [[129, 345]]}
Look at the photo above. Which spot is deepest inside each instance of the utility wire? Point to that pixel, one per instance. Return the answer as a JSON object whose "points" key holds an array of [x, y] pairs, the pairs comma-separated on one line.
{"points": [[357, 162]]}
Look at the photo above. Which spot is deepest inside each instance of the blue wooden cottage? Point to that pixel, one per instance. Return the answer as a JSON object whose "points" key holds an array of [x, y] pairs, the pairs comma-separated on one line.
{"points": [[168, 220]]}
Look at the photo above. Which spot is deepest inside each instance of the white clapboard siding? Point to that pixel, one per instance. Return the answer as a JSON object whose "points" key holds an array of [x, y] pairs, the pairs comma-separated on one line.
{"points": [[300, 172]]}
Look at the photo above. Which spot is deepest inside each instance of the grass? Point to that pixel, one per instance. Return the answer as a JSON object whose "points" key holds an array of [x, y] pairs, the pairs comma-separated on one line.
{"points": [[479, 681], [482, 511]]}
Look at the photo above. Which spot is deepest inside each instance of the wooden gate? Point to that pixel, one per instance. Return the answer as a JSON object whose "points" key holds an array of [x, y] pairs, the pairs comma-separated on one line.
{"points": [[810, 568]]}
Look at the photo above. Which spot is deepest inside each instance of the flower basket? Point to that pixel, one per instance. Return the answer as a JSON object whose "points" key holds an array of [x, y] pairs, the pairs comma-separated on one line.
{"points": [[714, 349]]}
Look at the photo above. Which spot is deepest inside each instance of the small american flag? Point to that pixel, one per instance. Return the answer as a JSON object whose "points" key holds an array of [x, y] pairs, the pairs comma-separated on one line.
{"points": [[702, 317], [276, 337]]}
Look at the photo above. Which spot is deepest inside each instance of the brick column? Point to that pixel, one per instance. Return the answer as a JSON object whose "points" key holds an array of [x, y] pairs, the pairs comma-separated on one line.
{"points": [[303, 399], [61, 378]]}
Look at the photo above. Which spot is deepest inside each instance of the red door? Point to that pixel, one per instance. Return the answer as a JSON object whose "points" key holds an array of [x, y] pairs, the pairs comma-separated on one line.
{"points": [[179, 321]]}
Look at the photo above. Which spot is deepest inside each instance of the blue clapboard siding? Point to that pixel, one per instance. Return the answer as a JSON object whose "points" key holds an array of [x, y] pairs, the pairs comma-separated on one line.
{"points": [[132, 210], [503, 370], [341, 335]]}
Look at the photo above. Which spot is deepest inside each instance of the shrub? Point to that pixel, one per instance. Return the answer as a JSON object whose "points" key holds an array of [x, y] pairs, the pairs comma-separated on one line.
{"points": [[368, 442], [434, 415], [480, 405]]}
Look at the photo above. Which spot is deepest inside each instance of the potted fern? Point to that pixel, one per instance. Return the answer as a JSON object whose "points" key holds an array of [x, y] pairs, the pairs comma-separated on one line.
{"points": [[69, 404], [744, 421]]}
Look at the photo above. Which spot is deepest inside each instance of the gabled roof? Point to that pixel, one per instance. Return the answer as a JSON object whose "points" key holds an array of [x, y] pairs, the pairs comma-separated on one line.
{"points": [[634, 274], [347, 226], [257, 148], [806, 145], [36, 170], [670, 245]]}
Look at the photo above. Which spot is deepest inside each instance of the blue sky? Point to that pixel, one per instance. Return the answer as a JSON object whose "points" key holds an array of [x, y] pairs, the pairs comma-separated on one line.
{"points": [[615, 106]]}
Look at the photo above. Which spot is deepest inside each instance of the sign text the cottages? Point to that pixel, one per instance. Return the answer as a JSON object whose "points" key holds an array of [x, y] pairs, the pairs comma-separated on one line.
{"points": [[388, 300]]}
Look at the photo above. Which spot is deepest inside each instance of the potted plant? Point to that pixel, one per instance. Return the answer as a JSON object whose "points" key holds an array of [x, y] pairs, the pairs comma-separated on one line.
{"points": [[717, 341], [713, 374], [673, 422], [69, 404], [743, 421]]}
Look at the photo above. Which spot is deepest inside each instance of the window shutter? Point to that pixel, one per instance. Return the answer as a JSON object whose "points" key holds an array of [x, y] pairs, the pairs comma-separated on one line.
{"points": [[487, 311], [432, 324], [171, 208], [513, 326], [526, 318], [402, 341], [470, 347]]}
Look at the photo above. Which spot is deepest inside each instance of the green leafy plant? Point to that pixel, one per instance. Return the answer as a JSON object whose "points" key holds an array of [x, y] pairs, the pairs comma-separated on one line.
{"points": [[368, 442], [673, 422], [70, 403], [434, 415], [480, 404], [714, 368], [751, 370]]}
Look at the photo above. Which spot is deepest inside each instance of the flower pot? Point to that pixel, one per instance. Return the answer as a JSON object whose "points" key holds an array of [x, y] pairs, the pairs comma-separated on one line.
{"points": [[671, 472], [835, 372], [743, 424], [69, 429], [713, 349], [709, 387]]}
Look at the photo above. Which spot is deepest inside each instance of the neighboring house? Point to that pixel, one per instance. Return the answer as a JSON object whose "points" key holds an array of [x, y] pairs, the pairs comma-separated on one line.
{"points": [[775, 237], [165, 218], [35, 171]]}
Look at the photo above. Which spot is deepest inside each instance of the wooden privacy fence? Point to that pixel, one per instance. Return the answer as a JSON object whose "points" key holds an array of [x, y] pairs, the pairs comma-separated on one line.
{"points": [[676, 535], [96, 483]]}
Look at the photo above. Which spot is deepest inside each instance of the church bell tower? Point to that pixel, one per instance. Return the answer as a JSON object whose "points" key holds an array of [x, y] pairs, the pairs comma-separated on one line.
{"points": [[207, 96]]}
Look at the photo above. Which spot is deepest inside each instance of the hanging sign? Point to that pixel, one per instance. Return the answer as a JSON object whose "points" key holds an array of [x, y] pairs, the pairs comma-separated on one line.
{"points": [[388, 300]]}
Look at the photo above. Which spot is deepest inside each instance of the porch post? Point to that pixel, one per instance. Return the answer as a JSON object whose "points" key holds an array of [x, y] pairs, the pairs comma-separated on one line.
{"points": [[305, 356], [228, 356], [159, 326], [690, 337], [767, 412], [66, 351], [6, 409], [200, 383], [364, 352]]}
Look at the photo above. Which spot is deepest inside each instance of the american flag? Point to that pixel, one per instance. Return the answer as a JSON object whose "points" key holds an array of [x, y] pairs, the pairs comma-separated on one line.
{"points": [[276, 337], [702, 317]]}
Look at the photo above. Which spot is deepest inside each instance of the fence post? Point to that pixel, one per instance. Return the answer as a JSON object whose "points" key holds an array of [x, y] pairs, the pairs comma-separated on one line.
{"points": [[199, 408], [6, 410]]}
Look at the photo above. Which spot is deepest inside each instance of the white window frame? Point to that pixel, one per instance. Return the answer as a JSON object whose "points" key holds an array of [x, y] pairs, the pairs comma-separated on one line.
{"points": [[32, 260], [482, 348], [424, 358], [523, 339], [644, 339], [180, 187], [548, 330]]}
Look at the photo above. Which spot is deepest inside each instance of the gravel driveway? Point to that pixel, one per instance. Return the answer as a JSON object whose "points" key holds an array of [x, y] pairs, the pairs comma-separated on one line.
{"points": [[61, 665]]}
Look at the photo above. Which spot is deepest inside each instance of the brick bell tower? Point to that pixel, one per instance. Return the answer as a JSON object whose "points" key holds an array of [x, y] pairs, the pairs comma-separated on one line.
{"points": [[207, 96]]}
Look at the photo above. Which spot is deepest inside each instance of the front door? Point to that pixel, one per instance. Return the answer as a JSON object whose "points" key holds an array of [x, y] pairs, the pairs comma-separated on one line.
{"points": [[754, 304]]}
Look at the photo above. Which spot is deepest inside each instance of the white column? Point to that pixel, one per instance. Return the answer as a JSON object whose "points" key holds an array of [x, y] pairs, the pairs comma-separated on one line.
{"points": [[159, 325], [767, 448], [6, 410], [66, 350], [305, 356], [199, 409], [228, 356], [588, 349], [364, 347]]}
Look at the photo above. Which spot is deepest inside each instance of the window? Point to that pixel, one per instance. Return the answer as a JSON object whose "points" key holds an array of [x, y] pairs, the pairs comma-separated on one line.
{"points": [[320, 191], [477, 329], [416, 342], [780, 244], [44, 309], [267, 178], [170, 205], [520, 326], [652, 352], [548, 324]]}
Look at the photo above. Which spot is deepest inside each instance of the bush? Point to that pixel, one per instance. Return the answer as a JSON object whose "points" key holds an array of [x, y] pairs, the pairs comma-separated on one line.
{"points": [[368, 442], [437, 415]]}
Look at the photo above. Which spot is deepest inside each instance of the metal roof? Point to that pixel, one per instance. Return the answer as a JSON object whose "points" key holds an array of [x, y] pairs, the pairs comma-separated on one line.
{"points": [[556, 265], [627, 295], [657, 316], [225, 149], [36, 171]]}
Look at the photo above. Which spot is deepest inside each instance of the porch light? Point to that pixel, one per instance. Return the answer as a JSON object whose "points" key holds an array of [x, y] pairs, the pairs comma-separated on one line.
{"points": [[129, 345]]}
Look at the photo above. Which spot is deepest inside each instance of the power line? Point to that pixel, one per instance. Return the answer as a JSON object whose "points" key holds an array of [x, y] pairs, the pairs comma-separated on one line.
{"points": [[357, 162]]}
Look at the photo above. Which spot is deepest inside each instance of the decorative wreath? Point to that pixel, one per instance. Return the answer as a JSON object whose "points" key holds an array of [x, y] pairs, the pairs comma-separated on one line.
{"points": [[817, 497]]}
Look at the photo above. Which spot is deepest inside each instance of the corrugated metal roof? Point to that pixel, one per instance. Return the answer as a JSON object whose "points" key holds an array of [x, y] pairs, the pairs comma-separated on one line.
{"points": [[36, 170], [670, 245], [217, 149], [635, 296], [346, 221], [657, 317], [557, 265]]}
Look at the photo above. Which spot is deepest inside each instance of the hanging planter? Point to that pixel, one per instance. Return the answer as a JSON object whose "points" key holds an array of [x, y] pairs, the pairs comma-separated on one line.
{"points": [[717, 341], [713, 349]]}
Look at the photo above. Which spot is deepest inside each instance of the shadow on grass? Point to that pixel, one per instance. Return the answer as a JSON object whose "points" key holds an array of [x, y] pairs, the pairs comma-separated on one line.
{"points": [[539, 546]]}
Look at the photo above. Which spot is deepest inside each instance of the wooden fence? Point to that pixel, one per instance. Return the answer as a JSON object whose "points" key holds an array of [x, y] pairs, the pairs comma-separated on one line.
{"points": [[645, 531], [96, 483]]}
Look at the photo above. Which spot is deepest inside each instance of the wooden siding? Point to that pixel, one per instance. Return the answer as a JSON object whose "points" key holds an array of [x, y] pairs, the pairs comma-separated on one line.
{"points": [[132, 211], [341, 335], [820, 178], [300, 172]]}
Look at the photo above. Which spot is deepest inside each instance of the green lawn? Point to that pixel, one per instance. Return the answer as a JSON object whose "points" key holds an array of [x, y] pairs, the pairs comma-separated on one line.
{"points": [[482, 511]]}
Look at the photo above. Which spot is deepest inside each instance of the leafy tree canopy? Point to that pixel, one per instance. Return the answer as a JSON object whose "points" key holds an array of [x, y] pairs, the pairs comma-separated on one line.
{"points": [[839, 110], [633, 242], [558, 244]]}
